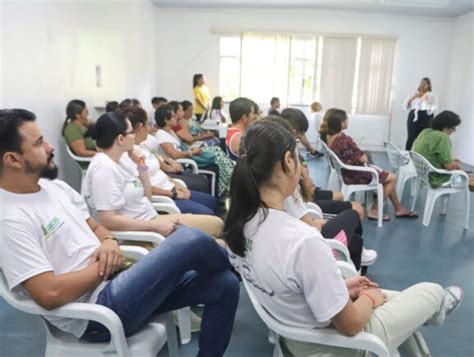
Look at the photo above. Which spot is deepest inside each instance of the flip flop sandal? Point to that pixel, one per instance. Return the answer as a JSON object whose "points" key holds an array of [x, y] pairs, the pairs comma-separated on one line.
{"points": [[410, 214]]}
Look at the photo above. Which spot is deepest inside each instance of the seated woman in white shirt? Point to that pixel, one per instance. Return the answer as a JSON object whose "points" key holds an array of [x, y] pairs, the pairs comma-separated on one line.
{"points": [[291, 269], [121, 199], [186, 200], [208, 158]]}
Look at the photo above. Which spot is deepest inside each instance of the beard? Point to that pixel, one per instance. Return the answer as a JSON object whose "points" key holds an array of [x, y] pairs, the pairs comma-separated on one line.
{"points": [[48, 171]]}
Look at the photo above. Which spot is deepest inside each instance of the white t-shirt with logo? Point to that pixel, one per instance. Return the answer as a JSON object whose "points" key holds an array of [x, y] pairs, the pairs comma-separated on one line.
{"points": [[157, 177], [110, 187], [46, 231], [292, 270]]}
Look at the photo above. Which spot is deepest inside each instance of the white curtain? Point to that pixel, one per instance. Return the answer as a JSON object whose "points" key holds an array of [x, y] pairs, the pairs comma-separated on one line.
{"points": [[375, 76], [337, 72], [264, 70]]}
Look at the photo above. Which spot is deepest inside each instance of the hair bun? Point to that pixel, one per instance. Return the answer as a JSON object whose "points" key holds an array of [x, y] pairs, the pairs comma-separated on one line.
{"points": [[91, 131]]}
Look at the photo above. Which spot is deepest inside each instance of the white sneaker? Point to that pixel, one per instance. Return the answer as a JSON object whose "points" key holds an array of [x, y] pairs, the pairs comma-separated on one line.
{"points": [[452, 298], [368, 257]]}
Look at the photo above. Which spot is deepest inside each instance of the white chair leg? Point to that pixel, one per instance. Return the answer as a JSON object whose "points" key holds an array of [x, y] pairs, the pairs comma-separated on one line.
{"points": [[412, 184], [379, 205], [444, 207], [184, 324], [416, 192], [468, 207], [400, 185], [429, 205]]}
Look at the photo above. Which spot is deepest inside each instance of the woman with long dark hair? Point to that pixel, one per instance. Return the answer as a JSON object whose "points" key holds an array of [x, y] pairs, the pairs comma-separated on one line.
{"points": [[421, 107], [201, 96], [291, 269], [75, 127]]}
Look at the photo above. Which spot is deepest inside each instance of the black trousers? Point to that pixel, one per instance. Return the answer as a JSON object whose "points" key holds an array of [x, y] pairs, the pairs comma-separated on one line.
{"points": [[194, 182], [349, 222], [323, 198], [415, 128]]}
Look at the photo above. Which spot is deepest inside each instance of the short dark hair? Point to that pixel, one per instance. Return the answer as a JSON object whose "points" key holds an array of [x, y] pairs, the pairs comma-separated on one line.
{"points": [[10, 122], [107, 128], [174, 105], [240, 107], [273, 100], [445, 119], [157, 100], [335, 120], [111, 106], [136, 116], [186, 104], [126, 103], [162, 114], [296, 118]]}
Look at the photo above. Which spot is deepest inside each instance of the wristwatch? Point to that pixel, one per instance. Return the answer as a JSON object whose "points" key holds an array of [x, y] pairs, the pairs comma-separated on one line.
{"points": [[174, 193]]}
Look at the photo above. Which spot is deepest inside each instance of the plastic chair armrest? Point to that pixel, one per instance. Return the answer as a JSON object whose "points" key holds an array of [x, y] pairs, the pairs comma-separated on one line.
{"points": [[189, 162], [139, 236]]}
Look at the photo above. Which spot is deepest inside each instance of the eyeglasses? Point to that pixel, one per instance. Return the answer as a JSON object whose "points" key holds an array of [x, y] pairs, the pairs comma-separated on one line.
{"points": [[128, 133]]}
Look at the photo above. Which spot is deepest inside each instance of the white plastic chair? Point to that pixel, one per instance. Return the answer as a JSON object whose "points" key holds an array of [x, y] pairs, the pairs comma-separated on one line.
{"points": [[77, 160], [147, 342], [341, 249], [402, 165], [424, 168], [332, 181], [196, 170], [323, 336], [348, 190], [164, 204]]}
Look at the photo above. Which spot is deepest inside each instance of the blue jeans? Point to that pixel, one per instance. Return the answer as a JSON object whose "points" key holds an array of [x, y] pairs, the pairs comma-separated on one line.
{"points": [[198, 203], [188, 268]]}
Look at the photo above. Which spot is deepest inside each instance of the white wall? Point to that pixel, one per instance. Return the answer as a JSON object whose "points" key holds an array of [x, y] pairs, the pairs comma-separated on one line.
{"points": [[49, 52], [185, 46], [460, 95]]}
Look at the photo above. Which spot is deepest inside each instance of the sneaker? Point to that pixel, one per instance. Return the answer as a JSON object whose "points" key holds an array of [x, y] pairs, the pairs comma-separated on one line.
{"points": [[452, 298], [368, 257]]}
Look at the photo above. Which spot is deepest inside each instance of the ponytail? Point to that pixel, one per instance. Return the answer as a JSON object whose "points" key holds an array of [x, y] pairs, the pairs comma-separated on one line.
{"points": [[263, 145], [73, 109]]}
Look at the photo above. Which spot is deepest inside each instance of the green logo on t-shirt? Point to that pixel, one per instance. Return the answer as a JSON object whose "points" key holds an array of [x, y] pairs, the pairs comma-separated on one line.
{"points": [[137, 184], [52, 227]]}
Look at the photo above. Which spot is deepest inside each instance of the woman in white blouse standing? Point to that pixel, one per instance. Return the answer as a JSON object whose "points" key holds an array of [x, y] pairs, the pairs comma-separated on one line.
{"points": [[421, 106]]}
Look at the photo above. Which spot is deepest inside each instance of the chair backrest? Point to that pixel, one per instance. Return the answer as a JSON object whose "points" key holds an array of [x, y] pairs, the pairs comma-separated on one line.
{"points": [[325, 151], [423, 167], [396, 157], [75, 157], [324, 336]]}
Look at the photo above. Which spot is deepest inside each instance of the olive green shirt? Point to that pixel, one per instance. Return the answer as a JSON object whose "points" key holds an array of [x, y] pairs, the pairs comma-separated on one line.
{"points": [[74, 132], [435, 146]]}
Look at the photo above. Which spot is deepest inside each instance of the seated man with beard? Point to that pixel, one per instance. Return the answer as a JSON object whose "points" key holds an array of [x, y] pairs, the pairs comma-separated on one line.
{"points": [[54, 251]]}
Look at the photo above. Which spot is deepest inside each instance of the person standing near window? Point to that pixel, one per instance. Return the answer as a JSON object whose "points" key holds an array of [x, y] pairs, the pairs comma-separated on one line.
{"points": [[421, 106], [201, 96]]}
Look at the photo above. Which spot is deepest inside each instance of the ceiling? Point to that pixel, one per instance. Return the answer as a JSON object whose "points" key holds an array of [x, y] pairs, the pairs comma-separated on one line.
{"points": [[446, 8]]}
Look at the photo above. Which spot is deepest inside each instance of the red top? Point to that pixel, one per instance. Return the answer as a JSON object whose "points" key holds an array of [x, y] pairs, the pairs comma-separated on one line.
{"points": [[230, 134]]}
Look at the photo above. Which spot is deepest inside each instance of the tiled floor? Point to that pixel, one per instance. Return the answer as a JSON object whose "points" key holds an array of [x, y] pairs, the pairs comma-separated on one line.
{"points": [[408, 253]]}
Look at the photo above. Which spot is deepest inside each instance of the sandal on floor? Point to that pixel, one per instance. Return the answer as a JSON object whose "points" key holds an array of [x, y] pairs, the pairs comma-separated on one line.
{"points": [[410, 214], [384, 219]]}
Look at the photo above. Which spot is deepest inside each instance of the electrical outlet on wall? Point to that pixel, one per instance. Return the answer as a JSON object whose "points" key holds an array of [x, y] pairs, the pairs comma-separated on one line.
{"points": [[98, 76]]}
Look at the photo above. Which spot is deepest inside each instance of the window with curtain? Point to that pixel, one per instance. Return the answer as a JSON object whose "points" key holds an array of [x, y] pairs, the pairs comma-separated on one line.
{"points": [[264, 67], [375, 76], [353, 73], [338, 71]]}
